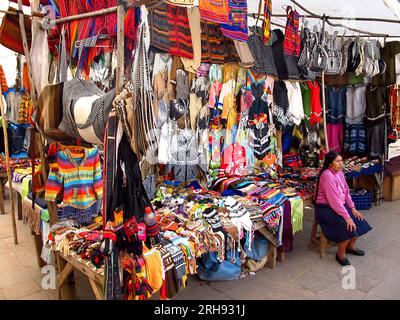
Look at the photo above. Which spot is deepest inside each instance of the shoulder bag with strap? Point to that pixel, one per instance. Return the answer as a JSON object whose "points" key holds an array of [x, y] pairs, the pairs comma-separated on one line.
{"points": [[334, 55], [319, 55]]}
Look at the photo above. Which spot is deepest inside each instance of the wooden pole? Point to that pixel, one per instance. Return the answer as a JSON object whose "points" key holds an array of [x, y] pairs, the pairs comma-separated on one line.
{"points": [[325, 19], [120, 46], [26, 52], [6, 151], [323, 93], [131, 4]]}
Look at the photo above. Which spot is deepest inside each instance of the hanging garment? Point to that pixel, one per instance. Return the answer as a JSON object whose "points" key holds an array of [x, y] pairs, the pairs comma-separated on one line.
{"points": [[180, 39], [261, 136], [234, 160], [292, 42], [377, 102], [336, 104], [388, 54], [306, 97], [279, 58], [13, 102], [315, 107], [211, 43], [264, 56], [184, 152], [259, 106], [335, 136], [237, 27], [216, 11], [296, 109], [355, 139], [281, 106], [191, 65], [356, 104], [80, 175], [375, 133], [159, 27], [17, 136]]}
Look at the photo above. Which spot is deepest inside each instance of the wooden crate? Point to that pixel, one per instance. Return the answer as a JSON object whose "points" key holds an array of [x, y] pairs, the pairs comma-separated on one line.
{"points": [[391, 187]]}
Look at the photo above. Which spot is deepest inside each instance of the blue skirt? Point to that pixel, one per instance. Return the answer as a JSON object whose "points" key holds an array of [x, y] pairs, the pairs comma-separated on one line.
{"points": [[334, 226]]}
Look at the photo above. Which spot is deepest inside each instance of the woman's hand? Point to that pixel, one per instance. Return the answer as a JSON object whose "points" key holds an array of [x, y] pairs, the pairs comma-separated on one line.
{"points": [[351, 226], [357, 214]]}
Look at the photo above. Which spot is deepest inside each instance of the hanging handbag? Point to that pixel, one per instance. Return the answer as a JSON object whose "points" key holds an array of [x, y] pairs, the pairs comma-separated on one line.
{"points": [[10, 32], [354, 58], [371, 60], [292, 41], [334, 55], [319, 55], [345, 56], [49, 112]]}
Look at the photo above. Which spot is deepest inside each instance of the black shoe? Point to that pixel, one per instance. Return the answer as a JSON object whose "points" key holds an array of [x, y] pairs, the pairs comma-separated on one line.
{"points": [[343, 262], [356, 252]]}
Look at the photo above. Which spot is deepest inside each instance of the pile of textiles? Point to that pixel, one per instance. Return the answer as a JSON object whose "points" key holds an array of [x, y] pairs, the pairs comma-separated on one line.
{"points": [[356, 167], [15, 163], [81, 243]]}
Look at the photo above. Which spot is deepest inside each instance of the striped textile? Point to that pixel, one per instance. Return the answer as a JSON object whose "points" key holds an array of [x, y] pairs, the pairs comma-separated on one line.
{"points": [[292, 41], [212, 45], [355, 139], [180, 37], [10, 33], [237, 26], [81, 177], [159, 27], [267, 21], [3, 80], [215, 11]]}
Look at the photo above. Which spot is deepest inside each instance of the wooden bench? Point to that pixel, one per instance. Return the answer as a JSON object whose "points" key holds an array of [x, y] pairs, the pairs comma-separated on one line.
{"points": [[319, 240]]}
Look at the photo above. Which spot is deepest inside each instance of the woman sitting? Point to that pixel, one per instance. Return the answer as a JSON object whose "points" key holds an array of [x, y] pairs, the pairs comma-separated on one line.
{"points": [[335, 211]]}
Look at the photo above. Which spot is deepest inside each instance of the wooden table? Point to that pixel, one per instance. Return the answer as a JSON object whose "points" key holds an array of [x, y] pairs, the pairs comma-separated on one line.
{"points": [[65, 280], [25, 206], [3, 180]]}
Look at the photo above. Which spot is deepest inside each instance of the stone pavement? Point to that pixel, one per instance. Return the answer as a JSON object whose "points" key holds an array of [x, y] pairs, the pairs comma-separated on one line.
{"points": [[303, 275]]}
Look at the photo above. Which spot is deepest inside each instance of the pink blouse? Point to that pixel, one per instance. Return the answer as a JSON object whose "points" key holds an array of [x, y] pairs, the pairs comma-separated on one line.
{"points": [[334, 191]]}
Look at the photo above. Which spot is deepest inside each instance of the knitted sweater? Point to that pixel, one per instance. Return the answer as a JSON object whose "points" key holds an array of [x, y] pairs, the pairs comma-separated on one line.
{"points": [[80, 176]]}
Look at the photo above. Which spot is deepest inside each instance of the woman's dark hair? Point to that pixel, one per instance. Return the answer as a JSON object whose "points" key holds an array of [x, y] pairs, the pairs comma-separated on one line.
{"points": [[329, 158]]}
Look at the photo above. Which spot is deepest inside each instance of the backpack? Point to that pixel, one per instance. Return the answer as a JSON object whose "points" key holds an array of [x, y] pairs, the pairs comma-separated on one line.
{"points": [[371, 59], [307, 45], [345, 55], [354, 55], [319, 55], [334, 62]]}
